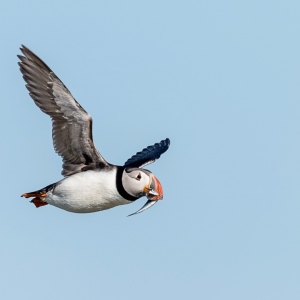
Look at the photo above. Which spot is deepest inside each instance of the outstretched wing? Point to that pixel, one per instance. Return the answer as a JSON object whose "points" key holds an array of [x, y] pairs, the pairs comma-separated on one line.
{"points": [[71, 124], [148, 155]]}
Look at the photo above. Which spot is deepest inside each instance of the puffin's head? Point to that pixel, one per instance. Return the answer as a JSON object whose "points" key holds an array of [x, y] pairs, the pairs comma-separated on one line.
{"points": [[140, 182]]}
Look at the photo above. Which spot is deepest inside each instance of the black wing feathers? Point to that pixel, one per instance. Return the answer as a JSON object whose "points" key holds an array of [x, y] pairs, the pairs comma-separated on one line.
{"points": [[148, 155]]}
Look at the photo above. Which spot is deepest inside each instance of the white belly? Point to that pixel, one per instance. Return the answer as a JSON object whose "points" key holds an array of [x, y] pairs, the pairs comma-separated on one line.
{"points": [[86, 192]]}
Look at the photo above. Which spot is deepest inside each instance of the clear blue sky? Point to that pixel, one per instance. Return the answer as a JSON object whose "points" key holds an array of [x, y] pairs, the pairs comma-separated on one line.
{"points": [[221, 79]]}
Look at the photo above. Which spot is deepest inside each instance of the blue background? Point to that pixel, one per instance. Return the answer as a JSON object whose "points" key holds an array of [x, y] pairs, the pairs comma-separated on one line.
{"points": [[221, 80]]}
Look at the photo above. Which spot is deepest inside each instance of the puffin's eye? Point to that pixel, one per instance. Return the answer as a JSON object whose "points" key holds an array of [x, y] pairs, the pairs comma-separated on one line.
{"points": [[138, 177]]}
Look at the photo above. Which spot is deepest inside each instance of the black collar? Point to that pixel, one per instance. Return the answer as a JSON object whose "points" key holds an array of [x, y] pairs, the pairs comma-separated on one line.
{"points": [[120, 186]]}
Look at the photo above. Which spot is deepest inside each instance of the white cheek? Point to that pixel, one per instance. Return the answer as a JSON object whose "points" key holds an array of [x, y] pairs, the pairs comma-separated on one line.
{"points": [[131, 185], [144, 182]]}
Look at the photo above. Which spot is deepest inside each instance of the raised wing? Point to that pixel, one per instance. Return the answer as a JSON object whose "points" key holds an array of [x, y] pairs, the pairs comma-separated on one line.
{"points": [[148, 155], [71, 124]]}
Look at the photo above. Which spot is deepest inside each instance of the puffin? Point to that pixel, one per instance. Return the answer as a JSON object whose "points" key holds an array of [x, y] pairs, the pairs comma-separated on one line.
{"points": [[90, 183]]}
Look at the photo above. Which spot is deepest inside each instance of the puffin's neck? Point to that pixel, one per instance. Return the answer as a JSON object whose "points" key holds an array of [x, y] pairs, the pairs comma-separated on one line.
{"points": [[120, 186]]}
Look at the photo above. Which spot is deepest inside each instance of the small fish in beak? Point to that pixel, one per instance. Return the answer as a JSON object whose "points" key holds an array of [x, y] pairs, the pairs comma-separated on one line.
{"points": [[148, 204], [153, 191]]}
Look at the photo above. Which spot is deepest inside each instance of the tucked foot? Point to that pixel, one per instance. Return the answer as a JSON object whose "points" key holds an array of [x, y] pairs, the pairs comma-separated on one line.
{"points": [[38, 202], [28, 195]]}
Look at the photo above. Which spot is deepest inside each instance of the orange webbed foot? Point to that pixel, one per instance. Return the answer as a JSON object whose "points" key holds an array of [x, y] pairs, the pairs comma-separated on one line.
{"points": [[38, 202], [28, 195]]}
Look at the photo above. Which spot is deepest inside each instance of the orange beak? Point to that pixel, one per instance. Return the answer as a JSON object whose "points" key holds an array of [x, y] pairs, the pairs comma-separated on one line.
{"points": [[154, 190]]}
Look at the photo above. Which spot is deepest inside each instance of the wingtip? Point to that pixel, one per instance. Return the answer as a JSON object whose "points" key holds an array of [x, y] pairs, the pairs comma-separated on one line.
{"points": [[23, 47], [165, 143]]}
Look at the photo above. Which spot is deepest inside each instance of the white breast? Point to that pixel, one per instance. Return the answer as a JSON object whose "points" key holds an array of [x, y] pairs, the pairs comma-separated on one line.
{"points": [[86, 192]]}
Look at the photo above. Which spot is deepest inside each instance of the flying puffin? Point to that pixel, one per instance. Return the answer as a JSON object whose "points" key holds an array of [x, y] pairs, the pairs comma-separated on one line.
{"points": [[91, 183]]}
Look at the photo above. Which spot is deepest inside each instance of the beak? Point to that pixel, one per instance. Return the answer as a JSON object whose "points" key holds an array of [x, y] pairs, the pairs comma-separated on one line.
{"points": [[153, 191]]}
